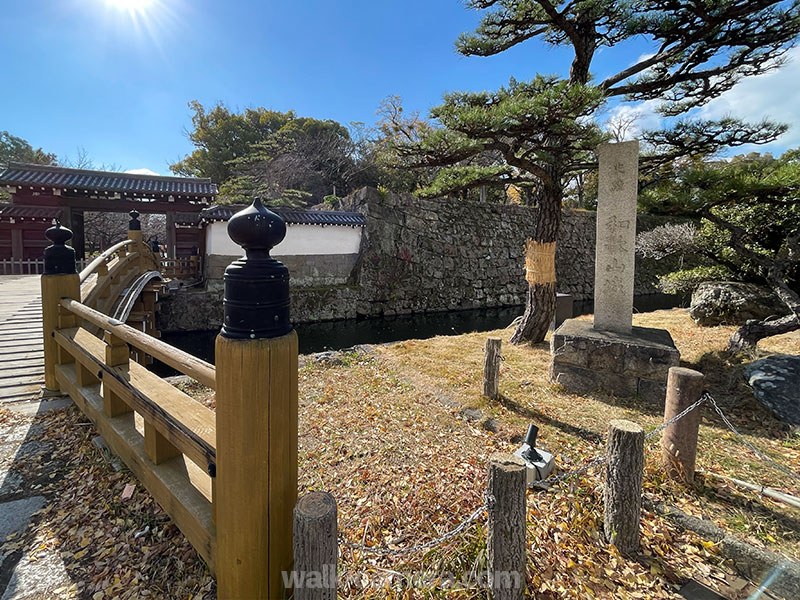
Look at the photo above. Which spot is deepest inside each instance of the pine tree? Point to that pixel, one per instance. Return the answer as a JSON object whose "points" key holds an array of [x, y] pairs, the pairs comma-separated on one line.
{"points": [[540, 133]]}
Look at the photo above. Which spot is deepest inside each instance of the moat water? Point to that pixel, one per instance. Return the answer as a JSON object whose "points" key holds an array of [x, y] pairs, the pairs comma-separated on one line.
{"points": [[336, 335]]}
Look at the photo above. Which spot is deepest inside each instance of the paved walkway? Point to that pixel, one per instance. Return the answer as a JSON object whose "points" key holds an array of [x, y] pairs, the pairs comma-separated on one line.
{"points": [[24, 573], [21, 353]]}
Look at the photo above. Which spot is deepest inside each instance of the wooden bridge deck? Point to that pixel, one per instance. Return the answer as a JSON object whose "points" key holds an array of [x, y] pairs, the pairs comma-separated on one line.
{"points": [[21, 352]]}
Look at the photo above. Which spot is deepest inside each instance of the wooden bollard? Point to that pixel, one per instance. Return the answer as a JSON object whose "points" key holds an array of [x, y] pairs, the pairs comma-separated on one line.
{"points": [[256, 469], [316, 547], [491, 368], [507, 527], [679, 440], [60, 280], [623, 490]]}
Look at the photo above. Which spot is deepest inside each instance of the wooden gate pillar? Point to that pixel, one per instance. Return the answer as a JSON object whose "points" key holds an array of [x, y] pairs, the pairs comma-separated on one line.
{"points": [[172, 251], [256, 359], [60, 280]]}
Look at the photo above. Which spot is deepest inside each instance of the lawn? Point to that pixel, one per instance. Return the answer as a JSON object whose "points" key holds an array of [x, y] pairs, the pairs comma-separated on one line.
{"points": [[388, 434]]}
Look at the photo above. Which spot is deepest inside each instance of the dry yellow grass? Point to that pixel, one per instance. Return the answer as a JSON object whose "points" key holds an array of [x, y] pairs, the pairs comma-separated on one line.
{"points": [[386, 435]]}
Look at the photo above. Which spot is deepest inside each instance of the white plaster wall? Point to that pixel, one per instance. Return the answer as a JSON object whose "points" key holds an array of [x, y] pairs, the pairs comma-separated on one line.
{"points": [[299, 240]]}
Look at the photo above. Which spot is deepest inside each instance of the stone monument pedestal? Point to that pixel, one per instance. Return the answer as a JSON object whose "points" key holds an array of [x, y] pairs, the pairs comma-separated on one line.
{"points": [[585, 359]]}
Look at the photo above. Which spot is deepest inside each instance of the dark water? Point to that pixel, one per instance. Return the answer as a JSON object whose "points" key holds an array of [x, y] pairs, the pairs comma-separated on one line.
{"points": [[335, 335]]}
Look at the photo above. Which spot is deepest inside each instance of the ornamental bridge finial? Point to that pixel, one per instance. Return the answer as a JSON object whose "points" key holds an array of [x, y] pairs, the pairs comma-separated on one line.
{"points": [[256, 301], [59, 259]]}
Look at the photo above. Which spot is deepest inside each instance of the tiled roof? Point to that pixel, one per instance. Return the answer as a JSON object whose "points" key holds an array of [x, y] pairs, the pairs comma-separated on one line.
{"points": [[292, 216], [22, 174], [46, 213], [187, 218]]}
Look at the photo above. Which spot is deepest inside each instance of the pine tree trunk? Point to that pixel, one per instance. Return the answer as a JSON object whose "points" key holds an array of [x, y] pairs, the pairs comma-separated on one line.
{"points": [[748, 335], [540, 306]]}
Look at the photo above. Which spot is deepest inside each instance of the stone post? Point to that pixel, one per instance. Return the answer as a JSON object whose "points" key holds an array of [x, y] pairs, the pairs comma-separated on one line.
{"points": [[618, 182], [256, 474], [60, 280], [679, 440]]}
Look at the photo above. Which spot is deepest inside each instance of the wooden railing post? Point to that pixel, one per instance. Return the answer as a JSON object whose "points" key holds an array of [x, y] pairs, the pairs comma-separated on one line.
{"points": [[506, 530], [623, 490], [679, 440], [256, 471], [316, 547], [60, 280], [102, 276], [117, 355]]}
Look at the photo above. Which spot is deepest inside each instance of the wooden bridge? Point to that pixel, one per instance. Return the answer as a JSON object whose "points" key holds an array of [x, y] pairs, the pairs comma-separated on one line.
{"points": [[227, 479], [125, 282]]}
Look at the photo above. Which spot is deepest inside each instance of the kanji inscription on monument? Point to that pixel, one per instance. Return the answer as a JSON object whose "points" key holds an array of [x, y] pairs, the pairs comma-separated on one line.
{"points": [[616, 236]]}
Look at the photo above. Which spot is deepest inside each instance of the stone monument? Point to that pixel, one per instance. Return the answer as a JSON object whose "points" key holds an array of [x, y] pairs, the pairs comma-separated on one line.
{"points": [[611, 355]]}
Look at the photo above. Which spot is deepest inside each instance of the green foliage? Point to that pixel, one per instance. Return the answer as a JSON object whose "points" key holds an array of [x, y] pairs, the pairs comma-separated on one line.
{"points": [[277, 156], [750, 208], [242, 190], [16, 149], [685, 281], [543, 131], [504, 137], [331, 200], [13, 148]]}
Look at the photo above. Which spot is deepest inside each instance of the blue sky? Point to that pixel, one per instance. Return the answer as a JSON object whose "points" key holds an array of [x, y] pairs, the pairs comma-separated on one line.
{"points": [[116, 81]]}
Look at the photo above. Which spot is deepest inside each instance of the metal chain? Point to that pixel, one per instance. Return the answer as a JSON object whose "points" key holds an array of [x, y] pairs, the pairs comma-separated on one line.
{"points": [[551, 481], [679, 416], [756, 451], [427, 545]]}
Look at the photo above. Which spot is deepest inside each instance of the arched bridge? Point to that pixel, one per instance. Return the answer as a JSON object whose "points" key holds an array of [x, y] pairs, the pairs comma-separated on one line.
{"points": [[124, 283]]}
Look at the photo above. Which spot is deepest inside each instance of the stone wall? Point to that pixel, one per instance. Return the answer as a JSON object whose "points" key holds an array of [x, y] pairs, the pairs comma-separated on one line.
{"points": [[426, 255], [450, 254]]}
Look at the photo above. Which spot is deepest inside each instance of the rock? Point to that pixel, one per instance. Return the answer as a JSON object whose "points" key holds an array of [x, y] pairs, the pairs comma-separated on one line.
{"points": [[490, 424], [775, 381], [733, 303], [471, 414]]}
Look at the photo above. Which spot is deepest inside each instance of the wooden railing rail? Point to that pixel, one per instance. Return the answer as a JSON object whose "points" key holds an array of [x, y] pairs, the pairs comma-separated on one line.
{"points": [[167, 439], [103, 258], [183, 422], [228, 479], [182, 361], [27, 266], [184, 267]]}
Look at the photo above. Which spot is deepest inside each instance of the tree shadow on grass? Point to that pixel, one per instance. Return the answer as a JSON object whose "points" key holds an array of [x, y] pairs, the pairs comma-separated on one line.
{"points": [[529, 413]]}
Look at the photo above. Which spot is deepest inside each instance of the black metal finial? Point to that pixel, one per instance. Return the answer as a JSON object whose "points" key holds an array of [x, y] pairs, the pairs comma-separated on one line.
{"points": [[256, 301], [134, 224], [59, 259]]}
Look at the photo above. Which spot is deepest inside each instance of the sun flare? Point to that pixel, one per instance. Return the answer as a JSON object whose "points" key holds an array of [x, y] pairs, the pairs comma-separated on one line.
{"points": [[131, 5]]}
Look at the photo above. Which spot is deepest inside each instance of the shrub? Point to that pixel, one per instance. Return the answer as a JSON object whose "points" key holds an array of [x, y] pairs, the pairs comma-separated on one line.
{"points": [[686, 281], [666, 240]]}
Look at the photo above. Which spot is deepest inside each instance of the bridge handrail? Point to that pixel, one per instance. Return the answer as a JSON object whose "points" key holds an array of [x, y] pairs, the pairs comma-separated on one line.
{"points": [[182, 361], [92, 266]]}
